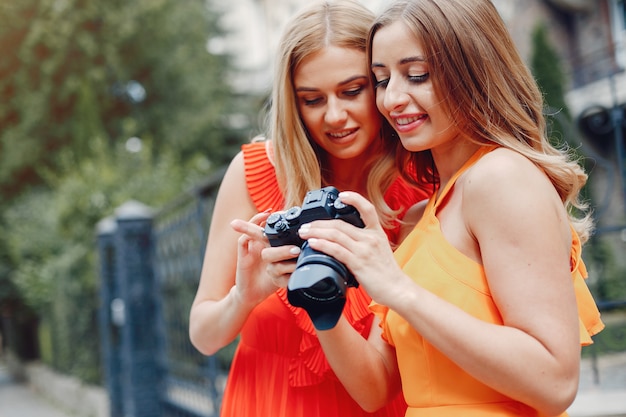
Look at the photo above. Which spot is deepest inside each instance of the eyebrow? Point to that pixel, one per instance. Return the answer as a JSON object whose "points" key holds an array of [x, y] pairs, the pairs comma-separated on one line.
{"points": [[403, 61], [344, 82]]}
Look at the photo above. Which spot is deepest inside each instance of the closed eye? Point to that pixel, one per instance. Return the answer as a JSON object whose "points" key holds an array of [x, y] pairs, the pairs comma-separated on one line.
{"points": [[381, 83], [353, 92], [419, 78], [311, 102]]}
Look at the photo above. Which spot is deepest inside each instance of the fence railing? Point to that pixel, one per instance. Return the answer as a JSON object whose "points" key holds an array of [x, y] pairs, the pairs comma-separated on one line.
{"points": [[150, 263]]}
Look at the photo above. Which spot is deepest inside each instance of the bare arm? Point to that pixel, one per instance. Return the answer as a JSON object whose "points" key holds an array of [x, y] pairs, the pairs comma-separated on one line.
{"points": [[368, 369], [220, 308], [520, 232]]}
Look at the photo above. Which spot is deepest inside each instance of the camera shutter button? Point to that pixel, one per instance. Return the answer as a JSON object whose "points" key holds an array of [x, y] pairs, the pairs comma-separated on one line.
{"points": [[273, 219]]}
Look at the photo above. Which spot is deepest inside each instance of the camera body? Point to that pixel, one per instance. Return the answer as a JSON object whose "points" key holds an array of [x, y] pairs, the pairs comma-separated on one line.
{"points": [[319, 282]]}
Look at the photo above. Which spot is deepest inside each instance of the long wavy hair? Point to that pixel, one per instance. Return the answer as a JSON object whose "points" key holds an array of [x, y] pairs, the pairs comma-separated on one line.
{"points": [[486, 89], [300, 163]]}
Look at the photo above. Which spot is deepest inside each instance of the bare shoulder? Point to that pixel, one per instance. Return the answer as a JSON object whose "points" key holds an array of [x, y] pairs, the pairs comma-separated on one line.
{"points": [[505, 173], [504, 186], [233, 199], [502, 164], [233, 185]]}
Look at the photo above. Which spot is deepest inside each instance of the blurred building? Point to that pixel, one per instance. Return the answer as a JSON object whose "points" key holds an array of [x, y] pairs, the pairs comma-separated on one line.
{"points": [[255, 27]]}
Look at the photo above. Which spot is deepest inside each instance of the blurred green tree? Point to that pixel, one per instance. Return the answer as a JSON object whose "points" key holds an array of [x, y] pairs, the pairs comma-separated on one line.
{"points": [[546, 67], [100, 102], [50, 240], [72, 69]]}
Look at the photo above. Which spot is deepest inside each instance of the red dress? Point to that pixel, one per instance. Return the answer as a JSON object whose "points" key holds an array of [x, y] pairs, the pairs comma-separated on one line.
{"points": [[279, 368]]}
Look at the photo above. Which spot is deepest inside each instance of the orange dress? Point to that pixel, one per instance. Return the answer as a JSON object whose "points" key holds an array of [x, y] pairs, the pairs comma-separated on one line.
{"points": [[433, 385], [279, 368]]}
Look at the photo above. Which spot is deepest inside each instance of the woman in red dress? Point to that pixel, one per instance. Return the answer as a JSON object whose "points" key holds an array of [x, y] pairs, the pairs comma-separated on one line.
{"points": [[324, 130]]}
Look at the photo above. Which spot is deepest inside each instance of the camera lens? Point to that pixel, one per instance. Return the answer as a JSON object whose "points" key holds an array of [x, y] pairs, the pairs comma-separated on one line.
{"points": [[323, 288]]}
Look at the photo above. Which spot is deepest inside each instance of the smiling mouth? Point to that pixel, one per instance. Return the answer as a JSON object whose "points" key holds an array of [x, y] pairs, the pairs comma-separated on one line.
{"points": [[402, 121], [342, 134]]}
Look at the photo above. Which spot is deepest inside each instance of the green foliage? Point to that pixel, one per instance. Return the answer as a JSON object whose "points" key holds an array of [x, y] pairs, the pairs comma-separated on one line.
{"points": [[613, 338], [546, 67], [607, 276], [78, 78], [74, 69], [50, 237]]}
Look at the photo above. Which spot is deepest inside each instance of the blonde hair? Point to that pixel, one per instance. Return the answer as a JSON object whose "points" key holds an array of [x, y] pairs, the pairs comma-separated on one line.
{"points": [[487, 90], [299, 162]]}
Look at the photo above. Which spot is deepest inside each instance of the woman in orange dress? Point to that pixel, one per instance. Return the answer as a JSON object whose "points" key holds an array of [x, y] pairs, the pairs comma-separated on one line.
{"points": [[324, 130], [483, 307]]}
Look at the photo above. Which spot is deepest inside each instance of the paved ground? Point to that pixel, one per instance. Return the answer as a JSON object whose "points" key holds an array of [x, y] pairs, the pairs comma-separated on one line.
{"points": [[602, 388], [598, 397], [18, 400]]}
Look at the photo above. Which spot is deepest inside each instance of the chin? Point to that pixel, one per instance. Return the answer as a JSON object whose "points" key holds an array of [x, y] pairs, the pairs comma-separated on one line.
{"points": [[412, 146]]}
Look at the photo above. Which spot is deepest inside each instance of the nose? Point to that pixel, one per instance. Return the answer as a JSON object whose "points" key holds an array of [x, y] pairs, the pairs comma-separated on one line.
{"points": [[336, 113], [394, 96]]}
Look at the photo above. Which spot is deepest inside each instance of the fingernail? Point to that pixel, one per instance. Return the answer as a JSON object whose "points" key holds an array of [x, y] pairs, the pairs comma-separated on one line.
{"points": [[294, 250]]}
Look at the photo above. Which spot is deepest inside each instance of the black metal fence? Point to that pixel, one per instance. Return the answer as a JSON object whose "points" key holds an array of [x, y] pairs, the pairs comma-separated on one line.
{"points": [[150, 263]]}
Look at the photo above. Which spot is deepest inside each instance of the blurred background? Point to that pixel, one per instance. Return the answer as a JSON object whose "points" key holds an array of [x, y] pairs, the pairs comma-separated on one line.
{"points": [[117, 119]]}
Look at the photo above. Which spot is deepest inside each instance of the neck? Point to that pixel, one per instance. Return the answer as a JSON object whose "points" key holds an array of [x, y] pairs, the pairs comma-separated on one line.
{"points": [[449, 158], [348, 175]]}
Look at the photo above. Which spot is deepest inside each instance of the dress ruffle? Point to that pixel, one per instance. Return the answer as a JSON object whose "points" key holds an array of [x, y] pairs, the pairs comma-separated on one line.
{"points": [[261, 177], [588, 314], [310, 366], [403, 197]]}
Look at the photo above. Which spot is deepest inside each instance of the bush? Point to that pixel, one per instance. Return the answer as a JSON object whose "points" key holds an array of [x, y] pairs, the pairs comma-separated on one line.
{"points": [[50, 236]]}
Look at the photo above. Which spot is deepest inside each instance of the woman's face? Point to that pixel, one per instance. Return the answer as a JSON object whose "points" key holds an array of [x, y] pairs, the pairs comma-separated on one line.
{"points": [[404, 90], [336, 101]]}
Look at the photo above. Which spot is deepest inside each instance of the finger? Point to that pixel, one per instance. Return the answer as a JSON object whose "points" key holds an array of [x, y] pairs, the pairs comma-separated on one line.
{"points": [[249, 228], [280, 253], [281, 269], [363, 206], [243, 245], [259, 218], [280, 272]]}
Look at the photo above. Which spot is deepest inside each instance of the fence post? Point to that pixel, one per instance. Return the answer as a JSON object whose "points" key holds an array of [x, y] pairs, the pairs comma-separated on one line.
{"points": [[128, 312], [108, 317], [140, 374]]}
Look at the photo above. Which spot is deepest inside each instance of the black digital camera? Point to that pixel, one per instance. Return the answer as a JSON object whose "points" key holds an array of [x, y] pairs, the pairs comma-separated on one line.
{"points": [[319, 282]]}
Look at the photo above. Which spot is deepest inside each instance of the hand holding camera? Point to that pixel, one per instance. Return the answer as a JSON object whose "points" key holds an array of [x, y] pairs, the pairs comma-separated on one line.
{"points": [[319, 282]]}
